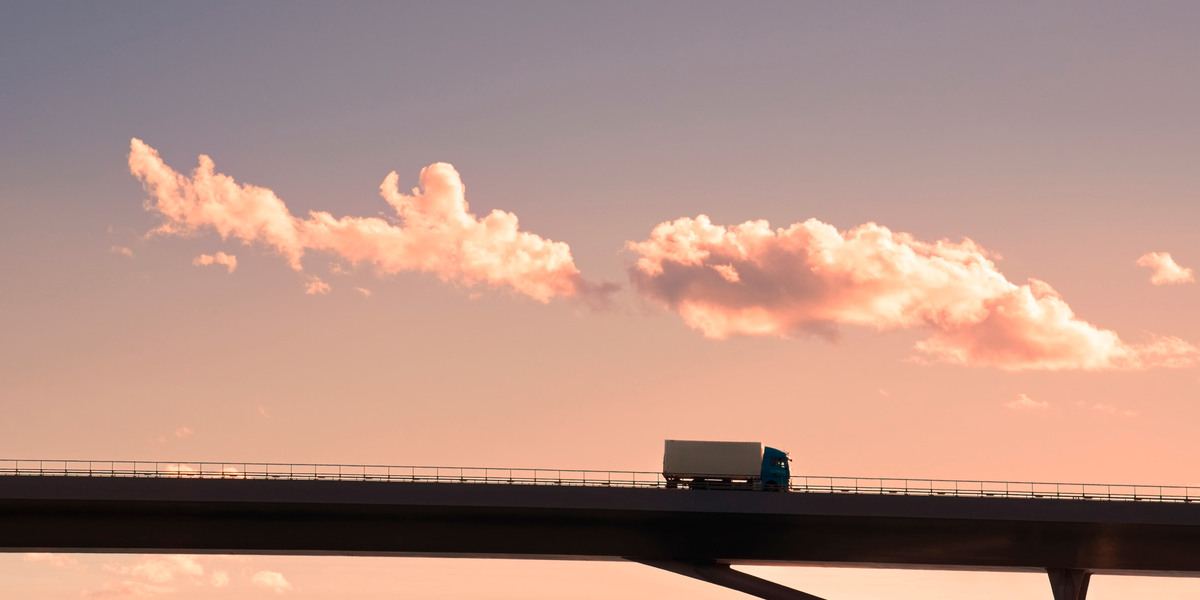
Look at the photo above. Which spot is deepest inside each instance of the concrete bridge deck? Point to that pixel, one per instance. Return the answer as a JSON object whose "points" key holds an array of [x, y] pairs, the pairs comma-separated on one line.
{"points": [[697, 532]]}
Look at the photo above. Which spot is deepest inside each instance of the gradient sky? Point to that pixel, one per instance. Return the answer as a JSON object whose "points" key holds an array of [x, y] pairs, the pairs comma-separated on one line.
{"points": [[1061, 139]]}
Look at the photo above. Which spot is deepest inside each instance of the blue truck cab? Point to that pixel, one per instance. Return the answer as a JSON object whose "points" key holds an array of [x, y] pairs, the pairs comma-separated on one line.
{"points": [[776, 475]]}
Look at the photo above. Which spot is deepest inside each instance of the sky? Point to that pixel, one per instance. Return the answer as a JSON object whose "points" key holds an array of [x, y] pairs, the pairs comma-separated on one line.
{"points": [[923, 239]]}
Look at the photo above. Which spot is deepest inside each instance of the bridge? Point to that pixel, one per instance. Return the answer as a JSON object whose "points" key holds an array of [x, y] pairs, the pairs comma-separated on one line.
{"points": [[1069, 531]]}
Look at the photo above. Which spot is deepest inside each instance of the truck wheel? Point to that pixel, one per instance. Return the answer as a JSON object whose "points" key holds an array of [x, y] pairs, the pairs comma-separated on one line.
{"points": [[772, 486]]}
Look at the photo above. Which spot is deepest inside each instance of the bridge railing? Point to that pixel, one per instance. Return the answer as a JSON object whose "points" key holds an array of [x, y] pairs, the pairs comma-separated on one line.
{"points": [[570, 477], [331, 472], [996, 489]]}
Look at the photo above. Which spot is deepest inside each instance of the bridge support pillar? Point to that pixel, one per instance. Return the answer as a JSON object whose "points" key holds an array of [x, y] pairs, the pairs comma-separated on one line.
{"points": [[722, 575], [1069, 584]]}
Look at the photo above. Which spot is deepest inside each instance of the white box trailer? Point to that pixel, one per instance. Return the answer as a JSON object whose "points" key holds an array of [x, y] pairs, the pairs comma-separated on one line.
{"points": [[704, 464], [686, 458]]}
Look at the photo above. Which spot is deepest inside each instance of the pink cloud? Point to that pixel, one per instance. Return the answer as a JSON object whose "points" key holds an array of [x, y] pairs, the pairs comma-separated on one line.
{"points": [[127, 589], [1164, 269], [316, 286], [203, 472], [58, 560], [271, 580], [179, 433], [156, 575], [220, 258], [164, 569], [150, 577], [1024, 402], [436, 232], [121, 250], [1112, 409], [808, 278]]}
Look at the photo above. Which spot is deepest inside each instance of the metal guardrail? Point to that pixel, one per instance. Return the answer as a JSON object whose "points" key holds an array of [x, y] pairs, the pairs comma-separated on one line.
{"points": [[997, 489], [330, 472], [570, 477]]}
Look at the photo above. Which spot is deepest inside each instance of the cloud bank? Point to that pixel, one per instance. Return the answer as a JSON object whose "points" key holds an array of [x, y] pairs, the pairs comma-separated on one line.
{"points": [[271, 580], [164, 569], [808, 278], [1164, 269], [53, 558], [171, 574], [434, 231]]}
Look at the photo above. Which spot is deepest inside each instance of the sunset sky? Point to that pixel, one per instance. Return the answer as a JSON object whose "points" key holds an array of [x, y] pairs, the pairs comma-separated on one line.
{"points": [[921, 239]]}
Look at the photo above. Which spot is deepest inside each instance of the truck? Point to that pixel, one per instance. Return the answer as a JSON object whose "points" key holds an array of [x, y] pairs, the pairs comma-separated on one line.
{"points": [[701, 465]]}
